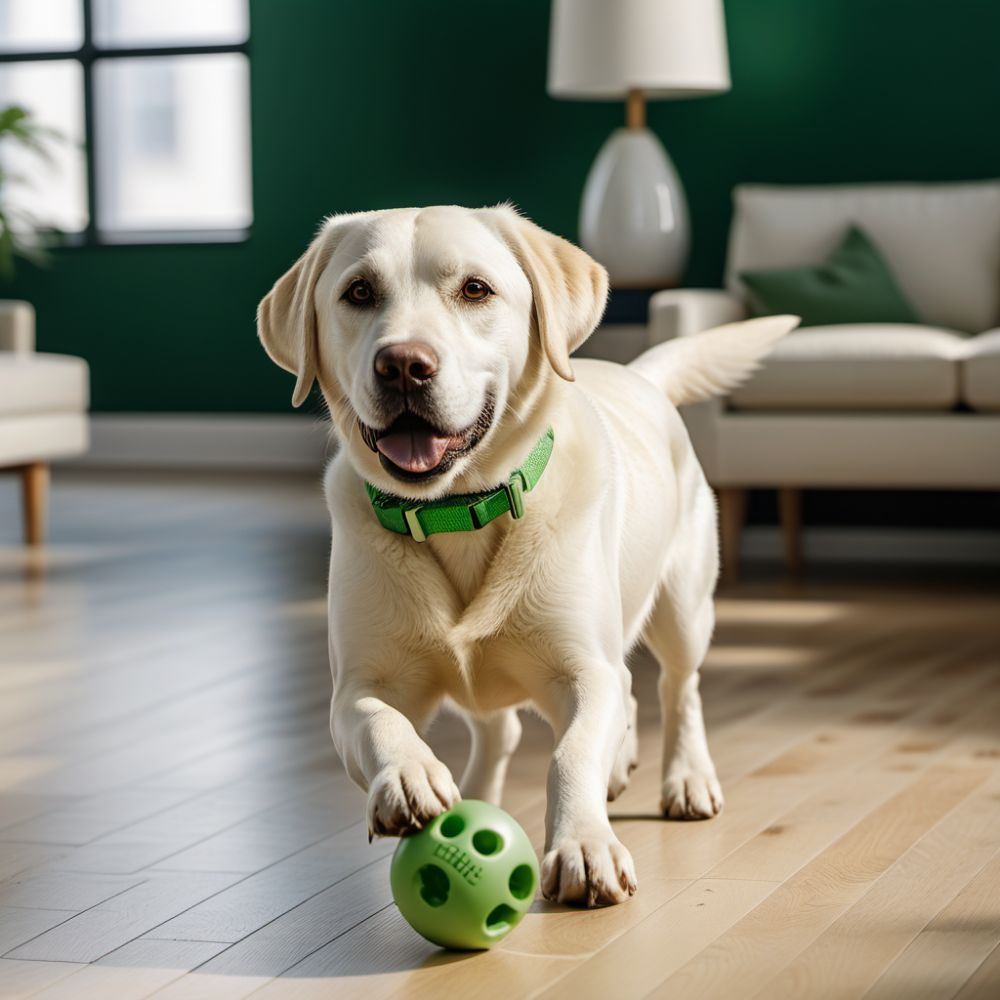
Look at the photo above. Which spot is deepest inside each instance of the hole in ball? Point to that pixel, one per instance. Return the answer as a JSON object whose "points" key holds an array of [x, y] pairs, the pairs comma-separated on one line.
{"points": [[521, 882], [486, 841], [500, 918], [434, 885], [452, 826]]}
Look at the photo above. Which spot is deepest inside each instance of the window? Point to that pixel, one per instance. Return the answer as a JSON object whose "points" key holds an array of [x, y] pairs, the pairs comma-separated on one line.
{"points": [[151, 98]]}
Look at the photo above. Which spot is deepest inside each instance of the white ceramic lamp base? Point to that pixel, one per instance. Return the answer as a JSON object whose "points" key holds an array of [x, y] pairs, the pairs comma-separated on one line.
{"points": [[634, 217]]}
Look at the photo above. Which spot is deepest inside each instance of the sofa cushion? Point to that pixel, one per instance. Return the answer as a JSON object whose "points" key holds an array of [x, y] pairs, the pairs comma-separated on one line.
{"points": [[40, 437], [942, 241], [981, 372], [857, 367], [42, 383], [853, 285]]}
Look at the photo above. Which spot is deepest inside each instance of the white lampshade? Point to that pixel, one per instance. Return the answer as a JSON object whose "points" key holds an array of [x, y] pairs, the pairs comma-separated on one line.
{"points": [[601, 49]]}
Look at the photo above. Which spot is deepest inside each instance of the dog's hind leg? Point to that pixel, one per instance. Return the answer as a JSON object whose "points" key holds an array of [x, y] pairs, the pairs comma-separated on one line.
{"points": [[679, 638], [628, 753], [494, 739]]}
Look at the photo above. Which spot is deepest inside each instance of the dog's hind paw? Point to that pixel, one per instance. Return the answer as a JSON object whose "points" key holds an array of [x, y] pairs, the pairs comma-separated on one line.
{"points": [[592, 871], [690, 794], [404, 798]]}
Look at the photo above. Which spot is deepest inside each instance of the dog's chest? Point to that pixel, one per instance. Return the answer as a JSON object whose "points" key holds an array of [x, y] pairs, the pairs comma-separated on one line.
{"points": [[487, 661], [490, 674], [465, 559]]}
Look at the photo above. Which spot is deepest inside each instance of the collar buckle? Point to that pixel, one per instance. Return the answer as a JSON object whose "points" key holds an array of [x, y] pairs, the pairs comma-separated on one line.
{"points": [[413, 523], [514, 489]]}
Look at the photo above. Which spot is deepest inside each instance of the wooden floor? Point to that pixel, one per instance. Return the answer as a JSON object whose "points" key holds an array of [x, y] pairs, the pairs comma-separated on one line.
{"points": [[173, 822]]}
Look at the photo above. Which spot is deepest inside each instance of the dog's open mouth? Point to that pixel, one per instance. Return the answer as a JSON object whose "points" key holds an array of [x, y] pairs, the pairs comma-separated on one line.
{"points": [[412, 448], [415, 446]]}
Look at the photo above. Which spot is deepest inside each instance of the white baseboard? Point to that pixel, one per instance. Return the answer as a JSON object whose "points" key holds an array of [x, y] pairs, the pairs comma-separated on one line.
{"points": [[949, 546], [200, 440]]}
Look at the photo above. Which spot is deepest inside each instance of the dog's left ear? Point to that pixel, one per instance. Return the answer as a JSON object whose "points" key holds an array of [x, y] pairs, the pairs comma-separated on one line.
{"points": [[569, 288], [286, 317]]}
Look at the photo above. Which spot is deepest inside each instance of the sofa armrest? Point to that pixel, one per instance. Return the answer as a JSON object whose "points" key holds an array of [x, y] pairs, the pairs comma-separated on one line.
{"points": [[680, 312], [17, 325]]}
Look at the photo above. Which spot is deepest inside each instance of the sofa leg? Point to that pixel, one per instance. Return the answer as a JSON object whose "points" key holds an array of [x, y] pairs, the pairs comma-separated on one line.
{"points": [[732, 514], [35, 493], [790, 514]]}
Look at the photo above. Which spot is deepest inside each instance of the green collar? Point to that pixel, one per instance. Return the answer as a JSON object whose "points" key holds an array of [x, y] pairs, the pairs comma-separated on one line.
{"points": [[465, 512]]}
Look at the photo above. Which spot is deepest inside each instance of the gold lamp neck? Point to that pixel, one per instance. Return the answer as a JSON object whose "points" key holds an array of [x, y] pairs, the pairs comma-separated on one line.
{"points": [[635, 109]]}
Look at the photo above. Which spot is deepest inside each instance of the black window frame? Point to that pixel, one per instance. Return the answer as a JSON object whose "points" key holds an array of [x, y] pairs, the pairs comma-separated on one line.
{"points": [[87, 55]]}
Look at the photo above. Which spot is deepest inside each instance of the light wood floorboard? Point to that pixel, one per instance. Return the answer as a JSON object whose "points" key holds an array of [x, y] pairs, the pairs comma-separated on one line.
{"points": [[174, 822]]}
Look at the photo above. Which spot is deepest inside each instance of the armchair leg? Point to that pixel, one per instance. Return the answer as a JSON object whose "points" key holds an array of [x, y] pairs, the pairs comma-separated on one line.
{"points": [[790, 513], [732, 514], [35, 493]]}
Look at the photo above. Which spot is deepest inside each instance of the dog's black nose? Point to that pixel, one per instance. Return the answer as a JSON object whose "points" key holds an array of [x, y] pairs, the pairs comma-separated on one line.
{"points": [[406, 366]]}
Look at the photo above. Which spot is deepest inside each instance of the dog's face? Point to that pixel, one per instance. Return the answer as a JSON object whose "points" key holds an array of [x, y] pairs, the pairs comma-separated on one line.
{"points": [[422, 317], [426, 328]]}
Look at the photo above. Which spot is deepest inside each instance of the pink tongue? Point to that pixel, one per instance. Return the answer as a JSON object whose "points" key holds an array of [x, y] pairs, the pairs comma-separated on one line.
{"points": [[415, 451]]}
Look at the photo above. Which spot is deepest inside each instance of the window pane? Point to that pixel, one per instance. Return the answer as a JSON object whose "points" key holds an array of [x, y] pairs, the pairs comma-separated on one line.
{"points": [[54, 193], [173, 143], [169, 22], [42, 25]]}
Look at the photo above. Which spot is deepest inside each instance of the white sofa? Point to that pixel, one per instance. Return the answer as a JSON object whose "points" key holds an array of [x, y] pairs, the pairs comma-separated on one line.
{"points": [[43, 410], [866, 405]]}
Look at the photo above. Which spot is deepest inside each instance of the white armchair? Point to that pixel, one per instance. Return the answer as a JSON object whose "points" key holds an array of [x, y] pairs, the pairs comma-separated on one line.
{"points": [[861, 405], [43, 410]]}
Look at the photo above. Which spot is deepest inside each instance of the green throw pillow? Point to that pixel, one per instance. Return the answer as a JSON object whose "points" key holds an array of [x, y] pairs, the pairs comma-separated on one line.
{"points": [[855, 285]]}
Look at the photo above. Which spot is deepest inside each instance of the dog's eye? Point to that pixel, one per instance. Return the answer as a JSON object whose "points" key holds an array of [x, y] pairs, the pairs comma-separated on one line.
{"points": [[359, 293], [475, 290]]}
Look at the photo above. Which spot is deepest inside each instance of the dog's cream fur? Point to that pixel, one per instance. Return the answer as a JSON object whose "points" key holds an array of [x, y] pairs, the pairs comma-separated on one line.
{"points": [[618, 542]]}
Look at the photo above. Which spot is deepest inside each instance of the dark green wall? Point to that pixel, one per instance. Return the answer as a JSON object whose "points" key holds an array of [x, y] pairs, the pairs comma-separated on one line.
{"points": [[402, 102]]}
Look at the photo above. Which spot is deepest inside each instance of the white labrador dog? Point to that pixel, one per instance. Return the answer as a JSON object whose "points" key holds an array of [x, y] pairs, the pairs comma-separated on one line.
{"points": [[441, 339]]}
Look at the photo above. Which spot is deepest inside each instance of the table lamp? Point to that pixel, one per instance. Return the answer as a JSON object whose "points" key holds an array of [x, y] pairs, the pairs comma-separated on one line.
{"points": [[633, 215]]}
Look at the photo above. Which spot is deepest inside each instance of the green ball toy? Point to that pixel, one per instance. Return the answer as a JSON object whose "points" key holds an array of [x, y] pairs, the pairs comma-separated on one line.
{"points": [[465, 880]]}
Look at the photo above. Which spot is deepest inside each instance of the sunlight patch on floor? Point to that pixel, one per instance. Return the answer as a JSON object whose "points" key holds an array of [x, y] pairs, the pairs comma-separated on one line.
{"points": [[21, 770], [721, 655], [744, 611]]}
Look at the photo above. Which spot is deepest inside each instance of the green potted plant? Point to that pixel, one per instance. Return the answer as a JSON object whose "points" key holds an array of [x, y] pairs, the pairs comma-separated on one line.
{"points": [[21, 234]]}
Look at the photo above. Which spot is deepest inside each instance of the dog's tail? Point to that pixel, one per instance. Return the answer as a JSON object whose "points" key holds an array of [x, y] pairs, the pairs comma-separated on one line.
{"points": [[694, 368]]}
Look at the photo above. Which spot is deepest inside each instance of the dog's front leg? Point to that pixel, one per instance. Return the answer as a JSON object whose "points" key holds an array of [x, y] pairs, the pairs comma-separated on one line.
{"points": [[407, 785], [585, 864]]}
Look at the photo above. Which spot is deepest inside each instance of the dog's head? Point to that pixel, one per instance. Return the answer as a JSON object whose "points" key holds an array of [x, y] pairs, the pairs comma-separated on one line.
{"points": [[427, 329]]}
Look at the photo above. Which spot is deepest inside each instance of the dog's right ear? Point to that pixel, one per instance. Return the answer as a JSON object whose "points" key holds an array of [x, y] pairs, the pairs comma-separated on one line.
{"points": [[286, 318]]}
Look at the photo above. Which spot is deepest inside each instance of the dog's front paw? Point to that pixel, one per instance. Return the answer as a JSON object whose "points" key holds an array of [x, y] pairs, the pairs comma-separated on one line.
{"points": [[691, 793], [404, 798], [592, 871]]}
